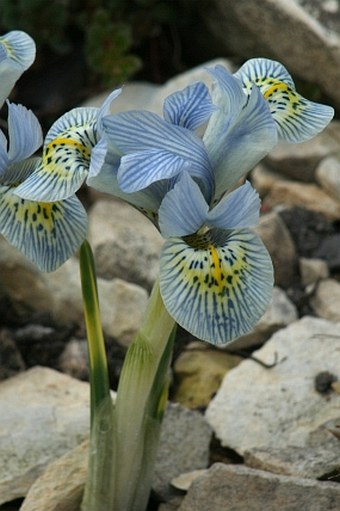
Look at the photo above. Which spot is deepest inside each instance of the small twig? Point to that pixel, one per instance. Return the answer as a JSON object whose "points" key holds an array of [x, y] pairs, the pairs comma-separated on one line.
{"points": [[244, 354]]}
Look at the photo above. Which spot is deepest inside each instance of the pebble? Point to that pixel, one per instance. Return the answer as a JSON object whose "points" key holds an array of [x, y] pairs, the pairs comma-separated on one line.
{"points": [[326, 300]]}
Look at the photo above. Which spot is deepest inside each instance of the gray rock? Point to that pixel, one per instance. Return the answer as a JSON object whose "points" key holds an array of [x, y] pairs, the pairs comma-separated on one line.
{"points": [[328, 250], [328, 175], [277, 407], [23, 285], [286, 27], [308, 462], [240, 488], [280, 245], [184, 446], [122, 304], [125, 243], [74, 359], [301, 161], [61, 485], [326, 300], [43, 415], [312, 270], [303, 195], [280, 313]]}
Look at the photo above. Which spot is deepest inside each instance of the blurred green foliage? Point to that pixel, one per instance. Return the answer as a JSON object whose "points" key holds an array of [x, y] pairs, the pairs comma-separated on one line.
{"points": [[110, 34]]}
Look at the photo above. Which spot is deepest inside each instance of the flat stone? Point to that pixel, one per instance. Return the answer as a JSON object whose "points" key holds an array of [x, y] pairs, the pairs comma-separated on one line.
{"points": [[61, 486], [328, 250], [312, 270], [122, 304], [309, 196], [301, 161], [241, 488], [281, 248], [43, 415], [309, 462], [199, 373], [328, 175], [180, 451], [326, 299], [125, 243], [281, 406]]}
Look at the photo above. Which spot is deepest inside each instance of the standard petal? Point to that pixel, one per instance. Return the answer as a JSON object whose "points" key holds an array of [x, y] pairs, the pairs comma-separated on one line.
{"points": [[190, 107], [66, 158], [139, 170], [237, 210], [24, 133], [105, 108], [297, 118], [138, 131], [183, 210], [218, 289], [240, 134], [17, 53], [46, 233]]}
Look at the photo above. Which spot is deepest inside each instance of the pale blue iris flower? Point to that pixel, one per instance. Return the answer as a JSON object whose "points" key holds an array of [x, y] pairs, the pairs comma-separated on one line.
{"points": [[46, 233], [216, 275]]}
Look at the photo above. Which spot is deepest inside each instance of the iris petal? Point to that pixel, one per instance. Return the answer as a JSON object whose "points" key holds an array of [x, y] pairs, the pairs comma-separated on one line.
{"points": [[297, 118], [139, 131], [216, 288], [139, 170], [183, 210], [66, 158], [17, 53], [24, 133], [46, 233], [240, 134], [190, 107], [237, 210]]}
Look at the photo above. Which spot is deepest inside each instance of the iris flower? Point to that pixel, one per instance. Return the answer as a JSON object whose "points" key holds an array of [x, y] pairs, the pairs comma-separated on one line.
{"points": [[47, 233], [182, 172]]}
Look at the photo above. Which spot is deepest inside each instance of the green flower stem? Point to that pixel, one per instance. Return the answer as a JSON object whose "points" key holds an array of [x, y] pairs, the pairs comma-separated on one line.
{"points": [[140, 403], [96, 495]]}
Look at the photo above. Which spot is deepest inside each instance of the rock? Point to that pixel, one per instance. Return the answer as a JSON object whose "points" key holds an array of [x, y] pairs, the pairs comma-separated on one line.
{"points": [[172, 505], [234, 27], [301, 161], [178, 451], [310, 462], [308, 230], [22, 283], [184, 481], [199, 373], [277, 407], [122, 304], [280, 245], [309, 196], [11, 361], [241, 488], [328, 250], [326, 300], [61, 486], [328, 175], [74, 359], [122, 309], [125, 243], [280, 313], [43, 414], [312, 270], [263, 179]]}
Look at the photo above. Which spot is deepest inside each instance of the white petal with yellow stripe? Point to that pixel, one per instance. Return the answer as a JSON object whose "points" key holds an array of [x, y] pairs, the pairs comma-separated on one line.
{"points": [[47, 233], [217, 285], [297, 118]]}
